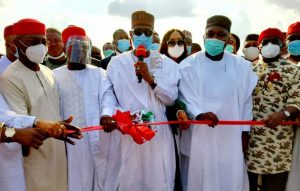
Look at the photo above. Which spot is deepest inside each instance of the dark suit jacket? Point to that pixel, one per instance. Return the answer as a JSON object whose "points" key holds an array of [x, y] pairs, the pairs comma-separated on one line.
{"points": [[105, 61]]}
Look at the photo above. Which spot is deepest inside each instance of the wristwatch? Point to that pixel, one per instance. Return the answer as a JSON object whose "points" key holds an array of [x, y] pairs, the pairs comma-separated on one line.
{"points": [[286, 113], [9, 133]]}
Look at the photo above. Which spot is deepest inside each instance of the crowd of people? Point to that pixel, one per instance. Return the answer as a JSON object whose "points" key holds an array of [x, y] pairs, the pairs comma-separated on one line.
{"points": [[54, 83]]}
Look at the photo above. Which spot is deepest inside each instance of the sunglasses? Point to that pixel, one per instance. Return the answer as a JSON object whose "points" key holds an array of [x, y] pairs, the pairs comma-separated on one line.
{"points": [[139, 32], [172, 43], [272, 41]]}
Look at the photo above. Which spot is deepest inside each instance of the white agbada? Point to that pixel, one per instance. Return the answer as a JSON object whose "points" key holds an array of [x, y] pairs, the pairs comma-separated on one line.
{"points": [[12, 176], [293, 183], [150, 166], [224, 88], [4, 63], [87, 95]]}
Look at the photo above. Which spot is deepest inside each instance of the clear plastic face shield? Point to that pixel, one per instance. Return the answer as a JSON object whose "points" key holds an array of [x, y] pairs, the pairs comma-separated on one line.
{"points": [[79, 49]]}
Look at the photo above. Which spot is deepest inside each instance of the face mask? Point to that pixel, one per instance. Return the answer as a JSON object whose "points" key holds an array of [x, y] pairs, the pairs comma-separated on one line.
{"points": [[155, 46], [189, 50], [213, 46], [251, 53], [229, 48], [270, 50], [108, 53], [142, 40], [36, 53], [175, 51], [294, 48], [123, 45]]}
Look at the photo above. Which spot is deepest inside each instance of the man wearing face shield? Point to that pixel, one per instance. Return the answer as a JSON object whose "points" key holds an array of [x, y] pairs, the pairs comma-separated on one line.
{"points": [[11, 51], [217, 85], [87, 94], [29, 89], [276, 99], [149, 166], [250, 50]]}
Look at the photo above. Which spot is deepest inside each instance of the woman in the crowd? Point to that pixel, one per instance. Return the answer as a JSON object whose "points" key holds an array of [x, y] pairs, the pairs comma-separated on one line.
{"points": [[174, 46]]}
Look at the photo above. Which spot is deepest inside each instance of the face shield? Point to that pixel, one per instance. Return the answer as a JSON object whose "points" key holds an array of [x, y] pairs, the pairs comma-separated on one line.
{"points": [[78, 49]]}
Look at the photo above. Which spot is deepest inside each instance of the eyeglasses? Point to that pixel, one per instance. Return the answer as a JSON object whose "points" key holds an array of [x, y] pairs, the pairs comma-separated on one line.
{"points": [[172, 43], [272, 40], [139, 32], [293, 37]]}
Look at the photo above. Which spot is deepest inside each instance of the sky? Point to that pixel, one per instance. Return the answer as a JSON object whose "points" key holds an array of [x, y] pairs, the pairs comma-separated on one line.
{"points": [[100, 18]]}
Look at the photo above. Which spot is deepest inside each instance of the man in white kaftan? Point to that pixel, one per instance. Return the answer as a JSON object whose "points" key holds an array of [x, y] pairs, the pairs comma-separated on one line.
{"points": [[221, 83], [87, 94], [151, 165]]}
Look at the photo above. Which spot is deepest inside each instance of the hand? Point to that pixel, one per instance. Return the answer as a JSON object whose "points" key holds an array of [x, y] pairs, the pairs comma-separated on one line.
{"points": [[142, 69], [275, 119], [58, 130], [245, 141], [30, 137], [208, 116], [182, 116], [108, 123]]}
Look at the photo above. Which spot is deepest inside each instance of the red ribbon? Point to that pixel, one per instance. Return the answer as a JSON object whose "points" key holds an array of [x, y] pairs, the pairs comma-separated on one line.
{"points": [[141, 132]]}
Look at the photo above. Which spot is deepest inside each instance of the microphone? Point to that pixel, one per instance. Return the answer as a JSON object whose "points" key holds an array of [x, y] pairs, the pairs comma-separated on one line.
{"points": [[141, 53]]}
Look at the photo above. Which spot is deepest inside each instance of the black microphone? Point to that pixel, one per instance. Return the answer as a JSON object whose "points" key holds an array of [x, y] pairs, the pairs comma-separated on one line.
{"points": [[141, 53]]}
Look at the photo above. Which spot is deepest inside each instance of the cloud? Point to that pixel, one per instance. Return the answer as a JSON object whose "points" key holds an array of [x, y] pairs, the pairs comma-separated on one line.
{"points": [[159, 8], [289, 4]]}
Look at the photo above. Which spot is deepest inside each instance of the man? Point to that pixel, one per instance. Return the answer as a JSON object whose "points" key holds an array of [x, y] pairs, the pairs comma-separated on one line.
{"points": [[233, 45], [86, 94], [56, 56], [293, 42], [150, 166], [121, 42], [11, 52], [250, 49], [188, 40], [293, 39], [29, 89], [276, 98], [96, 56], [196, 48], [17, 129], [217, 85]]}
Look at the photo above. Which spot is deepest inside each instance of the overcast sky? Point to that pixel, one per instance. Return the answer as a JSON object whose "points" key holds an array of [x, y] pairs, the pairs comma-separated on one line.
{"points": [[100, 18]]}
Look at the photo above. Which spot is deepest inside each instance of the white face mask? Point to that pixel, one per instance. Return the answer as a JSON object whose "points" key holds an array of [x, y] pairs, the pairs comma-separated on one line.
{"points": [[251, 53], [175, 51], [36, 53], [270, 50]]}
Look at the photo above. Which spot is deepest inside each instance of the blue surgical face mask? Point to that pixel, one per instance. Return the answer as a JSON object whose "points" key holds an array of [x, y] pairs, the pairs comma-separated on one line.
{"points": [[123, 45], [214, 46], [189, 50], [294, 48], [108, 53], [154, 46], [229, 48], [142, 40]]}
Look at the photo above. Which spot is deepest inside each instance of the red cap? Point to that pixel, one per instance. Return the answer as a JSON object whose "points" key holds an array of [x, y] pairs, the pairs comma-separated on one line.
{"points": [[8, 31], [29, 27], [70, 31], [270, 32], [293, 28]]}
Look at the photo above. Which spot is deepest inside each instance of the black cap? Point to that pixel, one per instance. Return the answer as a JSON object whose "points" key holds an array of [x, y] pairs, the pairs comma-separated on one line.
{"points": [[253, 37], [219, 20]]}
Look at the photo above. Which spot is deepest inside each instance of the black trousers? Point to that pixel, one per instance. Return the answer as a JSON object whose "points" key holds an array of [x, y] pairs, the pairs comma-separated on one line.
{"points": [[270, 182]]}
